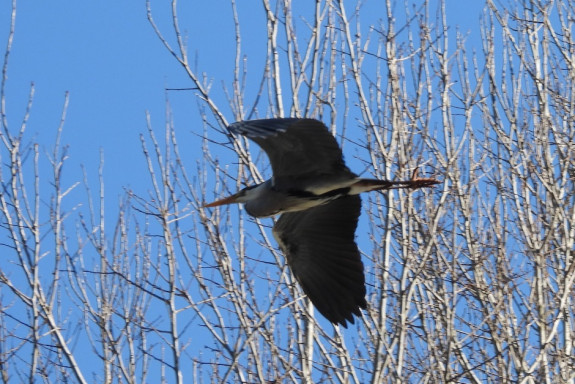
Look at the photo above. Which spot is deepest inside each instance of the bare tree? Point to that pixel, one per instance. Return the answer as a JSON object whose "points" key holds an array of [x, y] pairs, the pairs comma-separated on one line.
{"points": [[469, 282]]}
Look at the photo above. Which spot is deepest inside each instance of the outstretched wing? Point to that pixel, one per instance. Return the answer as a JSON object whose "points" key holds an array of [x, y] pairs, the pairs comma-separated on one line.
{"points": [[320, 249], [295, 147]]}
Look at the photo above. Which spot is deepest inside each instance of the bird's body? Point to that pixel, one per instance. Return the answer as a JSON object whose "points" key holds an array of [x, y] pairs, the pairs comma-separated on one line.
{"points": [[317, 197], [281, 200]]}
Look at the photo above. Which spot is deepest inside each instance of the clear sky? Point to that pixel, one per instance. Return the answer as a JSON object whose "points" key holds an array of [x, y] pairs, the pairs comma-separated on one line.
{"points": [[115, 69], [106, 55]]}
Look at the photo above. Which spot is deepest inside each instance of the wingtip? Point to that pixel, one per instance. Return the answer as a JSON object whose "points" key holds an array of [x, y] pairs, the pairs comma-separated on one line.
{"points": [[261, 128], [348, 318]]}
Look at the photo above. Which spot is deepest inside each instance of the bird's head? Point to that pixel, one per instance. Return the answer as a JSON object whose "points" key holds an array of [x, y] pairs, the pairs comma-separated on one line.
{"points": [[245, 195]]}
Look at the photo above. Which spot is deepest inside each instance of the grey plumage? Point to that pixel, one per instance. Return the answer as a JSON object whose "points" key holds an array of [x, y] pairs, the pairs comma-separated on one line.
{"points": [[317, 197]]}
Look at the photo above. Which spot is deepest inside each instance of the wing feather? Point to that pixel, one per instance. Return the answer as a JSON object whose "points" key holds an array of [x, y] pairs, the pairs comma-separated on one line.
{"points": [[295, 147], [321, 251]]}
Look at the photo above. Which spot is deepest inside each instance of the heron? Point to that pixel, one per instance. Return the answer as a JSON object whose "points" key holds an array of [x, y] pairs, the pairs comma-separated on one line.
{"points": [[317, 196]]}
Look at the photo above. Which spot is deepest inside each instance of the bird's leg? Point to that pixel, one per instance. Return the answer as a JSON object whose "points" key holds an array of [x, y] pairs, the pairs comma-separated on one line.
{"points": [[421, 182], [366, 185], [414, 182]]}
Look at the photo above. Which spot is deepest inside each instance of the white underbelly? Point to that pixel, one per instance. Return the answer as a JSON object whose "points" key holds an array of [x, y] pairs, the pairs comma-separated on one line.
{"points": [[321, 188]]}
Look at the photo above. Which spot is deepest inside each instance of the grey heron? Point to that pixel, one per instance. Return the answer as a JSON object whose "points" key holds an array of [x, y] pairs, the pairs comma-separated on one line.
{"points": [[317, 196]]}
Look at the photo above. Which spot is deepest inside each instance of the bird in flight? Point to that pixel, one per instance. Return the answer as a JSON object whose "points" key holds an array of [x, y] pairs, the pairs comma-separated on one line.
{"points": [[318, 198]]}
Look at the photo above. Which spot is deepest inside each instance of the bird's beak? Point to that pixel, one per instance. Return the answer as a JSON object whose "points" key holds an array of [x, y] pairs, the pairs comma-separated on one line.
{"points": [[226, 200]]}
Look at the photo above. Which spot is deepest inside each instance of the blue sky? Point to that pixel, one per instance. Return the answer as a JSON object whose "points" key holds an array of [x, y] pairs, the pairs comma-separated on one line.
{"points": [[115, 69], [106, 55]]}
